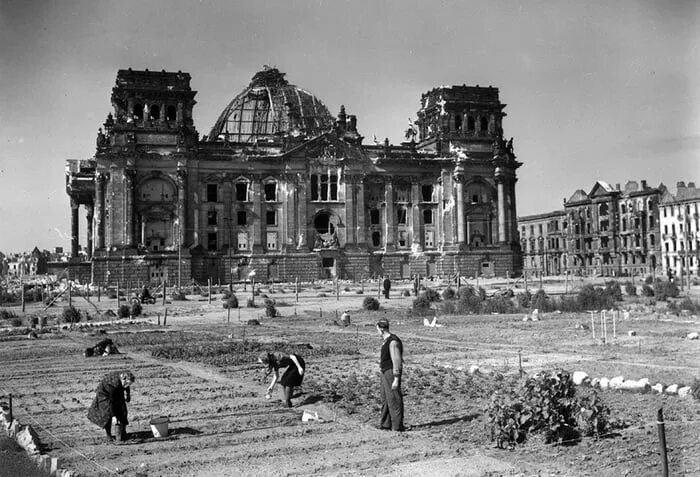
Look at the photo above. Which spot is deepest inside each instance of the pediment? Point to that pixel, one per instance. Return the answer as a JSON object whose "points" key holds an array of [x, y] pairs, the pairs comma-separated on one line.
{"points": [[328, 149], [601, 189], [578, 196]]}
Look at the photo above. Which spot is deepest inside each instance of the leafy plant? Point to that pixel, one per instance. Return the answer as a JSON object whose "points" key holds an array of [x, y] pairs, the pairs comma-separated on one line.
{"points": [[231, 301], [270, 310], [370, 303], [70, 314], [421, 304], [665, 290], [448, 293], [136, 309], [647, 290], [630, 289], [124, 311]]}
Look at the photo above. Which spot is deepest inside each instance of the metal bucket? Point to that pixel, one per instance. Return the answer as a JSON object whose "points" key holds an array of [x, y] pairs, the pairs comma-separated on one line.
{"points": [[159, 426]]}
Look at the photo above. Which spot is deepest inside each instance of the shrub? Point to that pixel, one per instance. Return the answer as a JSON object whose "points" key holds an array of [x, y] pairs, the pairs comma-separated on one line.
{"points": [[541, 301], [648, 280], [124, 311], [498, 304], [447, 294], [253, 322], [112, 294], [613, 289], [231, 302], [482, 293], [524, 299], [178, 295], [270, 310], [250, 303], [16, 321], [665, 290], [405, 292], [448, 307], [593, 298], [421, 304], [70, 314], [431, 294], [630, 289], [647, 290], [547, 404], [686, 304], [370, 303], [136, 309], [469, 300], [6, 314]]}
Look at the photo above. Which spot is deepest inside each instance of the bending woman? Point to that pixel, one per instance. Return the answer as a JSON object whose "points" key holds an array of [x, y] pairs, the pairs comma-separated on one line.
{"points": [[292, 377], [111, 397]]}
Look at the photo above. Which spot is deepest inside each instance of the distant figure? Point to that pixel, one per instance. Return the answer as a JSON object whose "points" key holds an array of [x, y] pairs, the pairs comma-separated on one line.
{"points": [[386, 284], [391, 367], [103, 348], [416, 284], [292, 377], [145, 294], [111, 396], [345, 318]]}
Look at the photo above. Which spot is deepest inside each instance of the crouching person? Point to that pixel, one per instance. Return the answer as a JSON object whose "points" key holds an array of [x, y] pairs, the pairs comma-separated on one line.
{"points": [[292, 377], [111, 396], [103, 348]]}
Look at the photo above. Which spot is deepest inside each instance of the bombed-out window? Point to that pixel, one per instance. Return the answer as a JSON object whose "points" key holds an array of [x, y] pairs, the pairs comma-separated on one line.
{"points": [[171, 113], [212, 192], [211, 241], [242, 191], [458, 122], [403, 238], [241, 218], [376, 239], [271, 191], [484, 124], [271, 217], [374, 217], [403, 192], [427, 216], [324, 187], [471, 123], [211, 217], [429, 238], [154, 112], [138, 112], [401, 211], [427, 193]]}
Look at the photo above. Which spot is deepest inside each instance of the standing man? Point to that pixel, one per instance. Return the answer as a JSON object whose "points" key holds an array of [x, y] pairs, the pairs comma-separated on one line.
{"points": [[391, 367], [387, 286]]}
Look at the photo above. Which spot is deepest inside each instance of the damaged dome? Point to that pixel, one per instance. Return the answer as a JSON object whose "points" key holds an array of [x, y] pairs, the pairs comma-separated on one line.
{"points": [[271, 106]]}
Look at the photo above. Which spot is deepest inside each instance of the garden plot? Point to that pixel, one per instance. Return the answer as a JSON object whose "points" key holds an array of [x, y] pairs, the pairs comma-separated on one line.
{"points": [[201, 374]]}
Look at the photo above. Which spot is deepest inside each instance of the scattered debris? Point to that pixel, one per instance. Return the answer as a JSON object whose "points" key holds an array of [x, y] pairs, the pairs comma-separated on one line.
{"points": [[432, 324], [693, 336]]}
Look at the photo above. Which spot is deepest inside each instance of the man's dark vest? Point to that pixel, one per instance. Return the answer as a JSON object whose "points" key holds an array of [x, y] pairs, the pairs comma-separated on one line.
{"points": [[385, 362]]}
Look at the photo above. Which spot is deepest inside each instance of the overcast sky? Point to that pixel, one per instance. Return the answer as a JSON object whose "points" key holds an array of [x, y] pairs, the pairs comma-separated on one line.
{"points": [[595, 90]]}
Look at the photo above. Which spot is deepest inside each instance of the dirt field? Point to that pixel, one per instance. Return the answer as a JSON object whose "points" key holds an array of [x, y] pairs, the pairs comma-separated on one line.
{"points": [[220, 424]]}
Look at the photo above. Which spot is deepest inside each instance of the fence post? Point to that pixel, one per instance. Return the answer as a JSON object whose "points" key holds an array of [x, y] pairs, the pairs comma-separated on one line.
{"points": [[10, 404], [98, 291], [21, 291], [662, 440], [165, 317], [209, 290]]}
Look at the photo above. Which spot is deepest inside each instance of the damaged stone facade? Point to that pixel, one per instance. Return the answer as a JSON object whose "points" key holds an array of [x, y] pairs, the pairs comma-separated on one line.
{"points": [[610, 231], [281, 188]]}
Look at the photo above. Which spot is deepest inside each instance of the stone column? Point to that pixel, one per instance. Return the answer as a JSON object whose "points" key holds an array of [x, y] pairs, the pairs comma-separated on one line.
{"points": [[181, 206], [129, 176], [302, 239], [459, 186], [501, 208], [89, 216], [390, 216], [350, 215], [258, 210], [74, 228], [361, 213], [100, 209], [416, 235]]}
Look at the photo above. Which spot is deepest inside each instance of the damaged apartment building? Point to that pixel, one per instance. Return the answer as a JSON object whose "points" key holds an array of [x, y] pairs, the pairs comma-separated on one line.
{"points": [[281, 189]]}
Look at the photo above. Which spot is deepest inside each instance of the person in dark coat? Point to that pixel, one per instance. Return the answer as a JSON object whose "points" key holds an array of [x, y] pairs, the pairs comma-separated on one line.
{"points": [[387, 287], [103, 348], [292, 377], [111, 396]]}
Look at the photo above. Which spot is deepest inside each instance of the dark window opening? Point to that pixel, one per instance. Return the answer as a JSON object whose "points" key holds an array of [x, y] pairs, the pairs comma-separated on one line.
{"points": [[374, 217], [138, 112], [271, 192], [242, 217], [401, 215], [314, 187], [211, 241], [242, 191], [271, 217], [324, 187], [327, 262], [211, 217], [471, 124], [171, 113], [427, 216], [323, 224], [484, 124], [376, 239], [458, 122], [334, 188], [212, 192], [475, 199], [154, 112], [427, 193]]}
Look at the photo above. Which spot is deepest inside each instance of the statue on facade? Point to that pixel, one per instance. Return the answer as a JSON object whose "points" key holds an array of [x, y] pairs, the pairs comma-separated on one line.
{"points": [[412, 130]]}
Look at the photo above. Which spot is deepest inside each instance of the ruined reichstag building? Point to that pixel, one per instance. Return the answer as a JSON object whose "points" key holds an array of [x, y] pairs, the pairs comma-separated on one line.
{"points": [[282, 188]]}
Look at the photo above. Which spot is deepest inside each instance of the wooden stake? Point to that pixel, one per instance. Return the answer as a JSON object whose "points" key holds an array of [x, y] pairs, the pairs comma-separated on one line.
{"points": [[70, 296], [98, 292], [605, 328], [592, 323], [662, 441], [10, 410], [209, 287], [165, 317], [228, 314], [21, 291]]}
